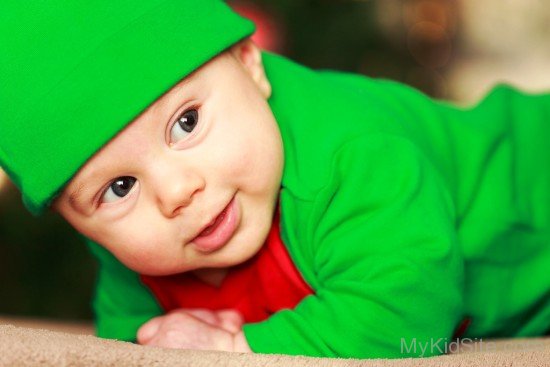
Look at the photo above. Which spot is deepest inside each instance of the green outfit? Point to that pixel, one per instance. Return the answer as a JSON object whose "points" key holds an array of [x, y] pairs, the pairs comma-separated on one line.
{"points": [[402, 213]]}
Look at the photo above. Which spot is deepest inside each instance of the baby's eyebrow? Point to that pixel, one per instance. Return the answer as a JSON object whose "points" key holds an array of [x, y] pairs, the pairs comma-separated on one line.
{"points": [[75, 196], [179, 87]]}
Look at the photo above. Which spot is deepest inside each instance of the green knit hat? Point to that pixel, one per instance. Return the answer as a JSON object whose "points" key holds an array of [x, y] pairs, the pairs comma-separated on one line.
{"points": [[74, 73]]}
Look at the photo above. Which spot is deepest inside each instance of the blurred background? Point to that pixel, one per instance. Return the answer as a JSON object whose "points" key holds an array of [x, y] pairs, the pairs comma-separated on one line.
{"points": [[453, 50]]}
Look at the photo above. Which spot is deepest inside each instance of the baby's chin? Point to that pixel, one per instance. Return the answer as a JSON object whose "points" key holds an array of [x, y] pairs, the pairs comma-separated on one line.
{"points": [[226, 257], [234, 253]]}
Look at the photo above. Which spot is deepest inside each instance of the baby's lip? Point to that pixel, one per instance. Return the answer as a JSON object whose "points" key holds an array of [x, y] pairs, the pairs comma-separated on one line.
{"points": [[212, 221]]}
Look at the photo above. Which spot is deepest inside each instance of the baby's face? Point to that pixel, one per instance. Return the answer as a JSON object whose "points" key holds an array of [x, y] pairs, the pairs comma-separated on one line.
{"points": [[193, 181]]}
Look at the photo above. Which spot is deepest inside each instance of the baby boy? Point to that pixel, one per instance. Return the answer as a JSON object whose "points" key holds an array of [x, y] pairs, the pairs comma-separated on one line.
{"points": [[238, 201]]}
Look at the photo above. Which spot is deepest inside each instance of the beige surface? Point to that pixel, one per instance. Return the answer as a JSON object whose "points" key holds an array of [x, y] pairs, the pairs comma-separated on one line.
{"points": [[30, 347]]}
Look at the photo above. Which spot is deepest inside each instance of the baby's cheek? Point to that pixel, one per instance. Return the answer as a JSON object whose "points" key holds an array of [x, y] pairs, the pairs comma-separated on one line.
{"points": [[258, 167], [139, 248], [229, 163]]}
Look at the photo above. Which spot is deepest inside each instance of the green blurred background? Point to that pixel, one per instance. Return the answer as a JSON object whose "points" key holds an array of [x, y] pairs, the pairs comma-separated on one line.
{"points": [[453, 50]]}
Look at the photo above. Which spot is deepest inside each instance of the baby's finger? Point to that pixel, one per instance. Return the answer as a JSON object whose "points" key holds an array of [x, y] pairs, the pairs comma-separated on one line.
{"points": [[174, 340], [205, 315], [148, 330], [231, 320]]}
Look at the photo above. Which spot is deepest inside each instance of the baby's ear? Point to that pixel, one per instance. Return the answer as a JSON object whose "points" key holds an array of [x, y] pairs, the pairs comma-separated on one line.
{"points": [[250, 56]]}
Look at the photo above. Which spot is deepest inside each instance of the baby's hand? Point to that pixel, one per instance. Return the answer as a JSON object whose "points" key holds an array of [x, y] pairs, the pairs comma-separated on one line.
{"points": [[196, 329]]}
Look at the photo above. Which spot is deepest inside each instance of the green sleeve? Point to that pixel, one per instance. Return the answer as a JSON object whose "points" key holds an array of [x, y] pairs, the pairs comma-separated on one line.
{"points": [[386, 260], [121, 302]]}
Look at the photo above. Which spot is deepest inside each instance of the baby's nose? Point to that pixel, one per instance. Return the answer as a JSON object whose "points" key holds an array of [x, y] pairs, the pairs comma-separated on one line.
{"points": [[176, 190]]}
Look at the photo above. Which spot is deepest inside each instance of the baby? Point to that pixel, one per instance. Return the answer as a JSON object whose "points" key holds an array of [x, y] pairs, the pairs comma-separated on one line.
{"points": [[238, 201]]}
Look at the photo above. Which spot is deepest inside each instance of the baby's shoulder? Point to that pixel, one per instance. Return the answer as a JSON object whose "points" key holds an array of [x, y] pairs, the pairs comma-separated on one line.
{"points": [[319, 112]]}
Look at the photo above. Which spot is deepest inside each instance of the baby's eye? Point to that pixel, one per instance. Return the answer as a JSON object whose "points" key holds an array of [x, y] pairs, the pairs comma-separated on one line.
{"points": [[184, 125], [119, 188]]}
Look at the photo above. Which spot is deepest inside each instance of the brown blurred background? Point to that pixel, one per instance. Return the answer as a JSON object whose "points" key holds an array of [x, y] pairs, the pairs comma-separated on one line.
{"points": [[454, 50]]}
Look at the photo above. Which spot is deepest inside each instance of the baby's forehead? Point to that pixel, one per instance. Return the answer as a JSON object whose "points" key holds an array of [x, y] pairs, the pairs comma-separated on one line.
{"points": [[181, 86], [206, 76], [161, 108]]}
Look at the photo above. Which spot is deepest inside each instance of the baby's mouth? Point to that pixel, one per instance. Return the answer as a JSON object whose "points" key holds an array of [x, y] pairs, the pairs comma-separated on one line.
{"points": [[220, 230], [212, 226]]}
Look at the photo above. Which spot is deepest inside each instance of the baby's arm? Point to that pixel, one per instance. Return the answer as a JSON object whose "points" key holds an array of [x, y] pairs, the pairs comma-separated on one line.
{"points": [[386, 264], [121, 302]]}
